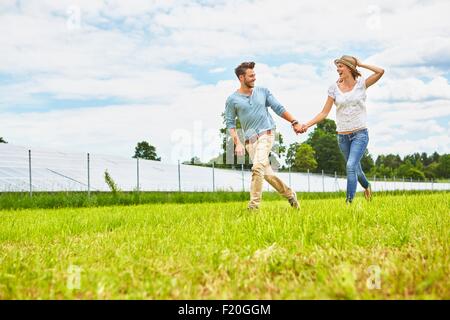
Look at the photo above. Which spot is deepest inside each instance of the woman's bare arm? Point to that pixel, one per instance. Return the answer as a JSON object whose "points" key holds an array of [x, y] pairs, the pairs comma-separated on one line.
{"points": [[377, 73], [321, 115]]}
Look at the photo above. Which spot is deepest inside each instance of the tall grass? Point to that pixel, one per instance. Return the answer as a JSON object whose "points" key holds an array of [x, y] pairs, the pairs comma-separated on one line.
{"points": [[19, 200], [221, 251]]}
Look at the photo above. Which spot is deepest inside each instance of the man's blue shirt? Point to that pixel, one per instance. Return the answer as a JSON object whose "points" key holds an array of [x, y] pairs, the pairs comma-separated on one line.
{"points": [[252, 111]]}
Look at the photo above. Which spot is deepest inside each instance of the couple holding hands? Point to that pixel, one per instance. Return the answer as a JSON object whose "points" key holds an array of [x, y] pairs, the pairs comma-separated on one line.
{"points": [[250, 104]]}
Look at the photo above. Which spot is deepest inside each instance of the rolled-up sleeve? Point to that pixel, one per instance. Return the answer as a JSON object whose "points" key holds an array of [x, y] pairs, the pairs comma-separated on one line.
{"points": [[274, 104], [230, 114]]}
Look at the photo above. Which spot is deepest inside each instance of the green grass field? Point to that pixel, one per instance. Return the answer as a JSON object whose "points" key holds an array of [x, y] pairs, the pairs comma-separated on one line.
{"points": [[327, 250]]}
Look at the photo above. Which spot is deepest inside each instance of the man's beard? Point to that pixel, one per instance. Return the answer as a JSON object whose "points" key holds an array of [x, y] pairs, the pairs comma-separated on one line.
{"points": [[250, 84]]}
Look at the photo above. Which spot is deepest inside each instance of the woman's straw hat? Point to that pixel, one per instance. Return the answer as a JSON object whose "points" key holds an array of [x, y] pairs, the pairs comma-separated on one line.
{"points": [[349, 61]]}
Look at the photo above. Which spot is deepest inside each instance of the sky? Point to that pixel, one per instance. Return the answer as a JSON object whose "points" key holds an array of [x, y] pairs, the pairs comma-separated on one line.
{"points": [[100, 76]]}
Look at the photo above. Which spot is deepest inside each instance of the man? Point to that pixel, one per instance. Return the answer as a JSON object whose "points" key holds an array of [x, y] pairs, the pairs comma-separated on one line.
{"points": [[250, 104]]}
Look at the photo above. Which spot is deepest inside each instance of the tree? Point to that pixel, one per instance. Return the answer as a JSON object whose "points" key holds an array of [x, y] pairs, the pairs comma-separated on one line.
{"points": [[291, 153], [304, 158], [2, 140], [328, 126], [431, 171], [277, 152], [193, 161], [383, 171], [408, 170], [413, 158], [392, 161], [403, 170], [443, 169], [367, 162], [278, 145], [144, 150], [324, 142], [426, 160], [435, 157], [328, 156], [416, 174]]}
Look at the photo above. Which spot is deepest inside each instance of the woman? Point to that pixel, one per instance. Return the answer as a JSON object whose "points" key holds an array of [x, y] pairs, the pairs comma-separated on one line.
{"points": [[349, 95]]}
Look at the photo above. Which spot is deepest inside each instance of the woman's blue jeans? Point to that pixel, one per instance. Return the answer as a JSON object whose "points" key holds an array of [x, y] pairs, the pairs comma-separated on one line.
{"points": [[353, 146]]}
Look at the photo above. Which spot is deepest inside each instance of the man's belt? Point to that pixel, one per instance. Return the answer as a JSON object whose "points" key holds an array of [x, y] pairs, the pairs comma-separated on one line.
{"points": [[256, 136]]}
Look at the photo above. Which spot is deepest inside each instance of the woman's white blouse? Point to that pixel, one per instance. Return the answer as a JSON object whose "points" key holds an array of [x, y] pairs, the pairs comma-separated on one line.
{"points": [[350, 106]]}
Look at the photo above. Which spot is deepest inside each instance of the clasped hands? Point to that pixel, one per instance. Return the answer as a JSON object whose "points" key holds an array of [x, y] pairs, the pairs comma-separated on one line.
{"points": [[300, 128]]}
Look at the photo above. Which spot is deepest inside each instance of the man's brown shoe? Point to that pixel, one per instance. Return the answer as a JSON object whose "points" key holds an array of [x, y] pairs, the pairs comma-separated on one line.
{"points": [[293, 201], [368, 193]]}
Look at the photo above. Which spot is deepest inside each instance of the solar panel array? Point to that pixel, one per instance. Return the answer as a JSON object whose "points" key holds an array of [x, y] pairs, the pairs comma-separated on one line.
{"points": [[63, 171]]}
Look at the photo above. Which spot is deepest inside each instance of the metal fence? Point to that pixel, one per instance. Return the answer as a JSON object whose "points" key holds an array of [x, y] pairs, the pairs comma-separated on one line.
{"points": [[40, 170]]}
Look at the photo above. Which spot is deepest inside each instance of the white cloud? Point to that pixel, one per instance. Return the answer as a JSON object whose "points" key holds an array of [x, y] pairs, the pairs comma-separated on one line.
{"points": [[417, 51], [429, 144], [412, 89], [156, 86], [218, 70], [130, 50], [117, 129], [169, 32], [189, 125]]}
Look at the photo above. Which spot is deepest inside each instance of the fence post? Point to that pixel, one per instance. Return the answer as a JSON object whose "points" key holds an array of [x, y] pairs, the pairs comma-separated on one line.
{"points": [[242, 173], [374, 181], [384, 188], [89, 175], [309, 189], [214, 182], [432, 184], [323, 182], [403, 178], [290, 185], [179, 177], [335, 181], [137, 174], [394, 183], [29, 170], [411, 180]]}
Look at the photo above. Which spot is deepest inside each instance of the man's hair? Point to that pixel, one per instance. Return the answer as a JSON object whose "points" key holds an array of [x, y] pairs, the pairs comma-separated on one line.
{"points": [[240, 69]]}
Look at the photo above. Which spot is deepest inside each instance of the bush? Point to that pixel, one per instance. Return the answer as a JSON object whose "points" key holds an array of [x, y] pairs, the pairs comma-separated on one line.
{"points": [[111, 183]]}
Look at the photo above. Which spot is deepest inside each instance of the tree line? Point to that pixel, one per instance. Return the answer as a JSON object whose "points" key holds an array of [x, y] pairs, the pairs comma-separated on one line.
{"points": [[321, 152]]}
